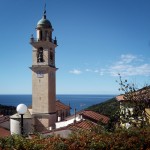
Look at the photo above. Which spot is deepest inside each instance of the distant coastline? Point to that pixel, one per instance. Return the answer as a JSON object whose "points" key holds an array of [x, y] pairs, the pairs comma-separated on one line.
{"points": [[78, 101]]}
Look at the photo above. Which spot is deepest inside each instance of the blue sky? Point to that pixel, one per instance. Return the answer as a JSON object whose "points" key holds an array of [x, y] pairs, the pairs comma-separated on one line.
{"points": [[97, 39]]}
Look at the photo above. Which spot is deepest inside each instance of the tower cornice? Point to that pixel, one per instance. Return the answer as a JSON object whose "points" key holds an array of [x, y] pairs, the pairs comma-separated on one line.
{"points": [[36, 68]]}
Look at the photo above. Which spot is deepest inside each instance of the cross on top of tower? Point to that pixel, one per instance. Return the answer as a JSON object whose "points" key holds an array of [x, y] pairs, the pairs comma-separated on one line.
{"points": [[44, 13], [44, 23]]}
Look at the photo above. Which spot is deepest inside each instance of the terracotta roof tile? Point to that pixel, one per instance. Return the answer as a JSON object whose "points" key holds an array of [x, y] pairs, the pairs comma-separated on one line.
{"points": [[4, 132], [120, 98], [137, 95], [61, 106], [83, 124], [95, 116], [3, 118]]}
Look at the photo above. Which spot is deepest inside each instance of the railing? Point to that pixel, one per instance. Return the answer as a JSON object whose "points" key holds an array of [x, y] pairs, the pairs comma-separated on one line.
{"points": [[32, 40]]}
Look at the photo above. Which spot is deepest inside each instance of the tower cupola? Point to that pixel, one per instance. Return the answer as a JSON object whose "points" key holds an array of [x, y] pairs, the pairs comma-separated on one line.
{"points": [[44, 29], [44, 23]]}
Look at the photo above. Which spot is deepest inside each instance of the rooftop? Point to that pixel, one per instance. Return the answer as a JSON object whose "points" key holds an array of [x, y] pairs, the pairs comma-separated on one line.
{"points": [[95, 116], [3, 118], [139, 95], [4, 132], [83, 124], [61, 106]]}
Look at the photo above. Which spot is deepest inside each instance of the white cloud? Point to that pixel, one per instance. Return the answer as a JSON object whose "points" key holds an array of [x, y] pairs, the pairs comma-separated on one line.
{"points": [[92, 70], [75, 71], [126, 59], [88, 70], [96, 71], [129, 66]]}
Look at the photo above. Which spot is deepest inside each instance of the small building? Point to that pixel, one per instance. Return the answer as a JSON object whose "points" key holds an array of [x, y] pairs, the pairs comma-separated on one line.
{"points": [[15, 123], [130, 103], [83, 115], [73, 127], [62, 110], [84, 120]]}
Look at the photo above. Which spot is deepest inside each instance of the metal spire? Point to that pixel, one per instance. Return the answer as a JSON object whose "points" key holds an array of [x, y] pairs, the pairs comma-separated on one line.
{"points": [[44, 13]]}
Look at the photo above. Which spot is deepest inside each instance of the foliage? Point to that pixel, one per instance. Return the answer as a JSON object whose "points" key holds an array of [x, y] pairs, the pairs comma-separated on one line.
{"points": [[133, 106], [20, 143], [7, 110], [83, 139], [108, 108]]}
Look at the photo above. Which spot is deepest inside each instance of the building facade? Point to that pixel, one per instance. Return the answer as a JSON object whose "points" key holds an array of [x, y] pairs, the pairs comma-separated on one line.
{"points": [[43, 76]]}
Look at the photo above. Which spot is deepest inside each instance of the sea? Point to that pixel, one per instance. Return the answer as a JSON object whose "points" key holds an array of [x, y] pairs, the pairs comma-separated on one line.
{"points": [[79, 102]]}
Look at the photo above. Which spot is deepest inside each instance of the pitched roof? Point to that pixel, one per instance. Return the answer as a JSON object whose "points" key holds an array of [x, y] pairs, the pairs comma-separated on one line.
{"points": [[120, 98], [139, 95], [83, 124], [3, 118], [95, 116], [61, 106], [4, 132], [26, 115]]}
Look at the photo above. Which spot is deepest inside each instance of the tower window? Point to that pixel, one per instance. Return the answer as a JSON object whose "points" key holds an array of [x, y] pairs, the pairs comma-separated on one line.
{"points": [[40, 36], [46, 36], [40, 55]]}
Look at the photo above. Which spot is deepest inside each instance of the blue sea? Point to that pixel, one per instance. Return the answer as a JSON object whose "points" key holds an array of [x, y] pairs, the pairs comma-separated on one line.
{"points": [[76, 101]]}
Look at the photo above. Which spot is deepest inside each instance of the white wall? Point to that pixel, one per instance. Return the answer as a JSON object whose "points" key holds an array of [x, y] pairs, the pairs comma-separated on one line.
{"points": [[15, 126], [66, 123], [62, 133]]}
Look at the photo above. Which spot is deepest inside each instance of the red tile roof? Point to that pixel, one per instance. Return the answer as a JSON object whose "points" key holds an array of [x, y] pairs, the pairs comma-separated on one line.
{"points": [[83, 124], [4, 132], [61, 106], [3, 118], [94, 116], [120, 98], [139, 95]]}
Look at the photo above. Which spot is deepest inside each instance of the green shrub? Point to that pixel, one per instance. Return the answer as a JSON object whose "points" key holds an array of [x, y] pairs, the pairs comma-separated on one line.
{"points": [[135, 139]]}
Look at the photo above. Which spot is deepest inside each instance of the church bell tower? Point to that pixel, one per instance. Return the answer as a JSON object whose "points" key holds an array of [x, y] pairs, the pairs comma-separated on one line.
{"points": [[43, 76]]}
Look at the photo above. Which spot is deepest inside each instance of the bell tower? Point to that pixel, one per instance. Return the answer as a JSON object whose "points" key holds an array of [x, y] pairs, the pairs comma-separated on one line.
{"points": [[43, 76]]}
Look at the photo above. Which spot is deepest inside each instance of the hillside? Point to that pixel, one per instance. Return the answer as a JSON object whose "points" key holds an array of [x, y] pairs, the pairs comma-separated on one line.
{"points": [[7, 110], [107, 108]]}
